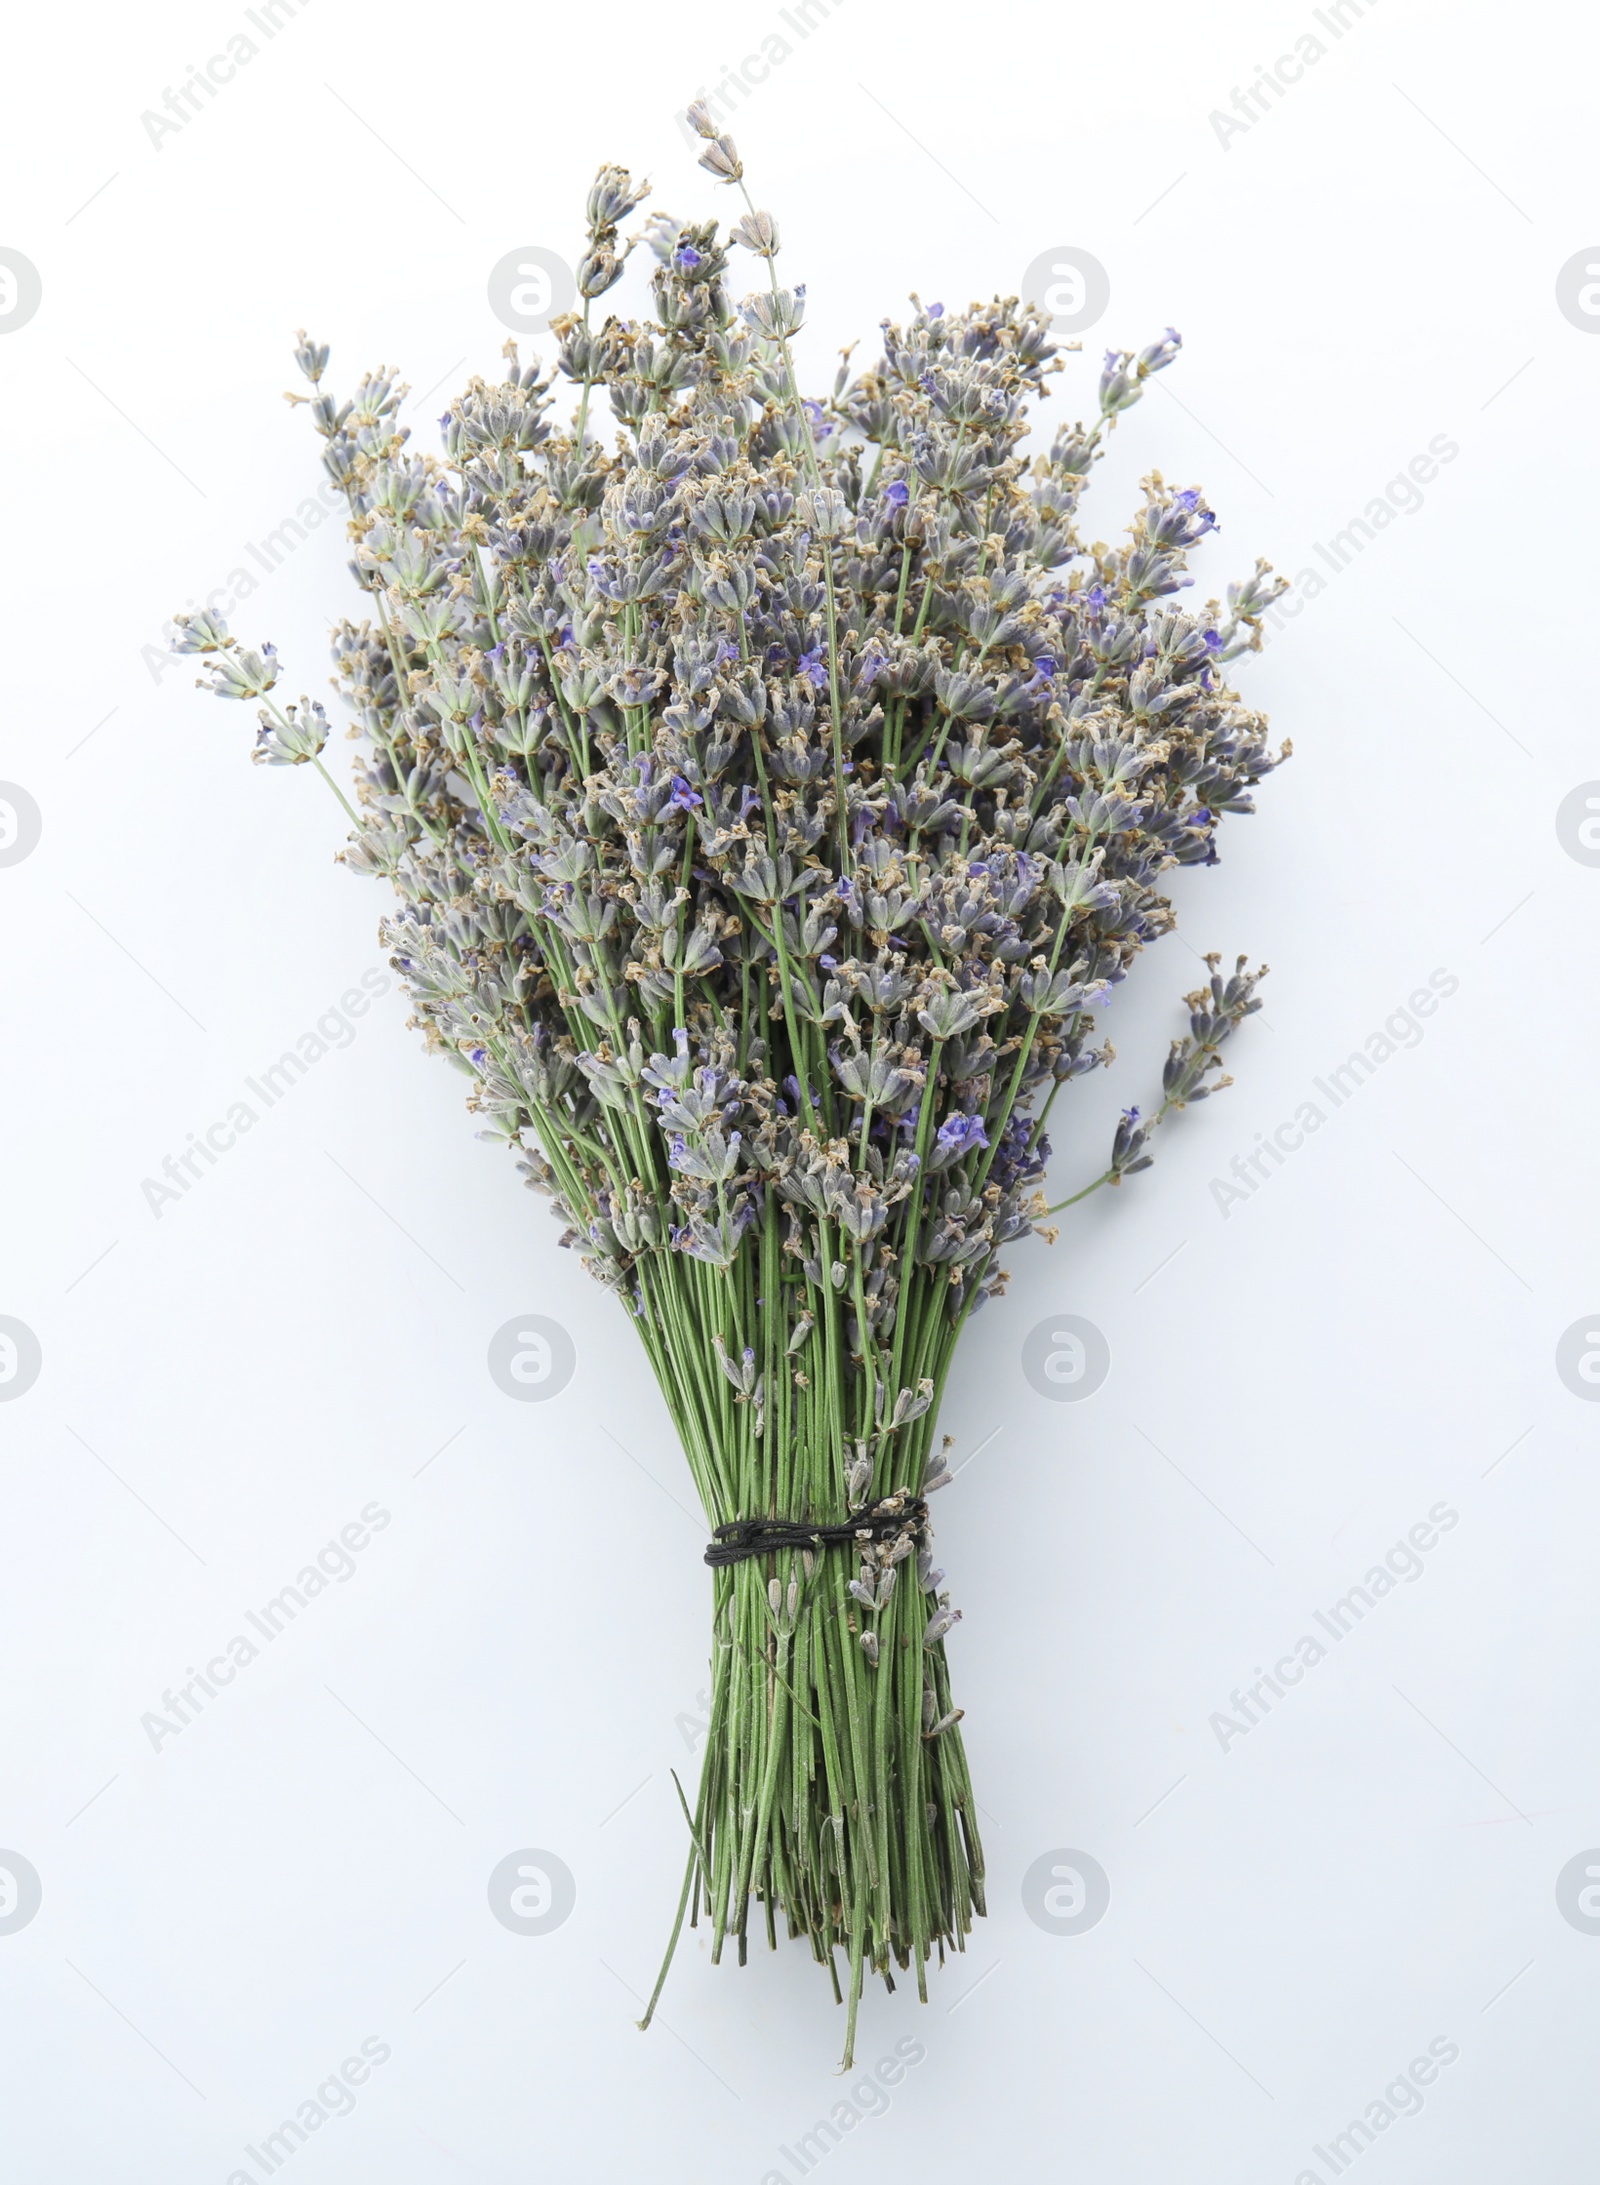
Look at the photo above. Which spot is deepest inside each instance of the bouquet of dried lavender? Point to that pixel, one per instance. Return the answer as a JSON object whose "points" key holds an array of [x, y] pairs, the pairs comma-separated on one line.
{"points": [[771, 798]]}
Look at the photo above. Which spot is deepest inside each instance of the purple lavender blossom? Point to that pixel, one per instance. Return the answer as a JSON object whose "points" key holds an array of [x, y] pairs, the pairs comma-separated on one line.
{"points": [[961, 1133]]}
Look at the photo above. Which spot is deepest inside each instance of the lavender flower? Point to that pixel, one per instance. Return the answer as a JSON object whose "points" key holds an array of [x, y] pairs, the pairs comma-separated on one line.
{"points": [[772, 799]]}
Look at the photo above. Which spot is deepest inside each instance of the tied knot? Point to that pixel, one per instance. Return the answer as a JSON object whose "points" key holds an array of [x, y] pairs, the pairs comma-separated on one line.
{"points": [[900, 1515]]}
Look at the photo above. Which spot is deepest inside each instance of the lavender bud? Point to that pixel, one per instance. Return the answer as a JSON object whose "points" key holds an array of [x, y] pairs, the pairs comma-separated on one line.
{"points": [[235, 672], [291, 741], [598, 270], [735, 1373], [311, 356], [826, 511], [1160, 354], [775, 316], [202, 631], [612, 196], [909, 1406], [721, 158], [758, 231]]}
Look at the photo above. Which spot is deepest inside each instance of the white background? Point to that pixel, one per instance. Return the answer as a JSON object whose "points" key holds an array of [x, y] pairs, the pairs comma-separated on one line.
{"points": [[516, 1660]]}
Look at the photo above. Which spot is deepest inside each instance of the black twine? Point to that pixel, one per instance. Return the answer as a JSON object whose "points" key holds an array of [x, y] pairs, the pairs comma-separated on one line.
{"points": [[747, 1536]]}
